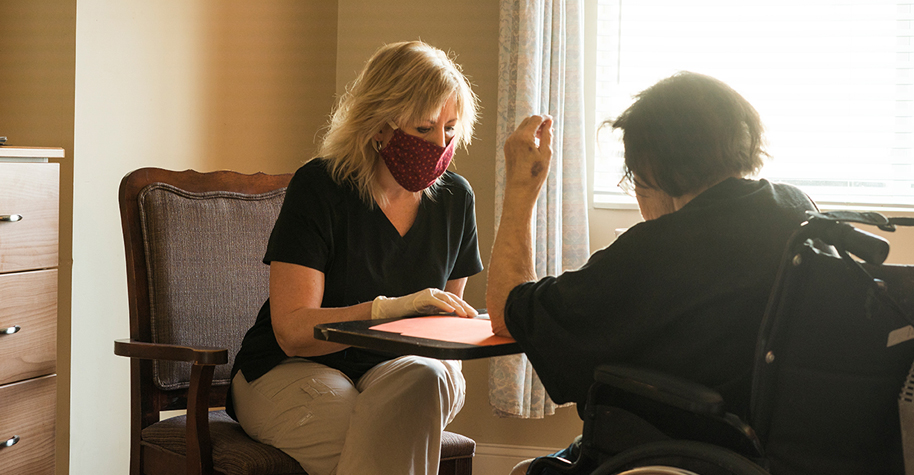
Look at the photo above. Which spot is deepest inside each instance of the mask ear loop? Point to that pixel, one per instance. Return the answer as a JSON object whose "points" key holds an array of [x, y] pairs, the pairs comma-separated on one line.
{"points": [[377, 144]]}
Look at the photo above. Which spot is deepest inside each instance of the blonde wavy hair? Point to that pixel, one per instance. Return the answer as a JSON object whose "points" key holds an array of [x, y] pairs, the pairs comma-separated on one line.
{"points": [[403, 83]]}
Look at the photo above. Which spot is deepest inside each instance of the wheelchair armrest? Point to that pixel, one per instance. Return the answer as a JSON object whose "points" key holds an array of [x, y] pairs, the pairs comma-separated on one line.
{"points": [[678, 408], [161, 351], [663, 388]]}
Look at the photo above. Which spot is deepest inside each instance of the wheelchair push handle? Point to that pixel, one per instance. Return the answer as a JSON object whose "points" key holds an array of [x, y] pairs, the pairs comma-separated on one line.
{"points": [[833, 228], [865, 245]]}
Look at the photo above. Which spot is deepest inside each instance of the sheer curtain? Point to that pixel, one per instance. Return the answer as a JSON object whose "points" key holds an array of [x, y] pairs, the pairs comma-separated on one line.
{"points": [[540, 71]]}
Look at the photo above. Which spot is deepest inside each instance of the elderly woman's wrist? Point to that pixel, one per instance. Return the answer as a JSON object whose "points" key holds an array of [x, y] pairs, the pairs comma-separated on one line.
{"points": [[521, 193]]}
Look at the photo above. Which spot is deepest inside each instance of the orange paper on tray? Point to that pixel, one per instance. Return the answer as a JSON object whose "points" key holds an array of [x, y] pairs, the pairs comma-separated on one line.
{"points": [[472, 331]]}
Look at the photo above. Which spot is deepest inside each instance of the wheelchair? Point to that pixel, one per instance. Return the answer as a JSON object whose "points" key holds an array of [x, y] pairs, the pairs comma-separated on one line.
{"points": [[832, 356]]}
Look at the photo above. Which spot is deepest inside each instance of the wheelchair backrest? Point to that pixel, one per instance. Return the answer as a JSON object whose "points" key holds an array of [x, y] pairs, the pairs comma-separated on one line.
{"points": [[832, 358]]}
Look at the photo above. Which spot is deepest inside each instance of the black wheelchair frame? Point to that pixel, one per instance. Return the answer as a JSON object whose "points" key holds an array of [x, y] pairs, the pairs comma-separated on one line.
{"points": [[825, 382]]}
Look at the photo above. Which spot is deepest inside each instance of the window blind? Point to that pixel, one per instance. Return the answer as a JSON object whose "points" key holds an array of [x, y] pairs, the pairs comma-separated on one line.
{"points": [[833, 81]]}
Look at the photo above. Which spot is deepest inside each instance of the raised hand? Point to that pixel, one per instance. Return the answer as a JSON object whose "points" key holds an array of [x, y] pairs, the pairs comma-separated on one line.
{"points": [[528, 152]]}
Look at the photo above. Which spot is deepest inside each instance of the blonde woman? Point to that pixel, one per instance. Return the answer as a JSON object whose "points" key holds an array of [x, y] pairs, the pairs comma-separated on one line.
{"points": [[373, 228]]}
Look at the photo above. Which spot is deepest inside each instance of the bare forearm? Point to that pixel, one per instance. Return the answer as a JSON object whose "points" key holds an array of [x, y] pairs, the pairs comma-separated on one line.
{"points": [[512, 261], [295, 331], [528, 154]]}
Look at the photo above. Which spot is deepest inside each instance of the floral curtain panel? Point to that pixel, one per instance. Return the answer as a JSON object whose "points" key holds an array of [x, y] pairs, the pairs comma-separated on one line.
{"points": [[540, 71]]}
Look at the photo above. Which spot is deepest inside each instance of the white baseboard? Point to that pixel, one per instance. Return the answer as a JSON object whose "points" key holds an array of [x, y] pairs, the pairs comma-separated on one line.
{"points": [[497, 459]]}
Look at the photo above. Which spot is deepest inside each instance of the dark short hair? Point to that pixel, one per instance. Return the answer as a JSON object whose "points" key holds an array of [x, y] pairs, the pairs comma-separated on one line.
{"points": [[688, 132]]}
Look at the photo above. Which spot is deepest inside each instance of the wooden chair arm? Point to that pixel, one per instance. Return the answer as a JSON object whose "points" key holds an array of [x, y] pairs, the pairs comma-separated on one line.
{"points": [[162, 351], [199, 456]]}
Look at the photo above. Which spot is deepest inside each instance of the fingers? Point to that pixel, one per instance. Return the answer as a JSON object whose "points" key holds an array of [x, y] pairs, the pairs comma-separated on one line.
{"points": [[431, 300], [461, 308], [424, 302], [446, 301], [544, 133], [537, 126], [531, 127], [530, 130], [531, 124], [528, 154]]}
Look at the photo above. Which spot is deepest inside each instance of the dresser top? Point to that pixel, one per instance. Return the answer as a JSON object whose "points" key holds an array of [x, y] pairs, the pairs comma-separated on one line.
{"points": [[14, 152]]}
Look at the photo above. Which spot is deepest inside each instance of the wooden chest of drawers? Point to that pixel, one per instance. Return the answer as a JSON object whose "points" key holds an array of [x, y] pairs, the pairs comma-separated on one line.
{"points": [[29, 199]]}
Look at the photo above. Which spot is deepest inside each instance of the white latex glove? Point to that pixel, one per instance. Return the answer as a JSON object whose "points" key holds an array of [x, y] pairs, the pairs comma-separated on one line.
{"points": [[424, 302]]}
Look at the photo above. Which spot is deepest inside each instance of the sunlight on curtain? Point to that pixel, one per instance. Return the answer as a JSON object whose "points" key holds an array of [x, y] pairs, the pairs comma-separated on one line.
{"points": [[541, 71]]}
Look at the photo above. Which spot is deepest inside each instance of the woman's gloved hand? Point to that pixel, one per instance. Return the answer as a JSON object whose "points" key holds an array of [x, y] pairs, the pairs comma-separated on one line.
{"points": [[428, 301]]}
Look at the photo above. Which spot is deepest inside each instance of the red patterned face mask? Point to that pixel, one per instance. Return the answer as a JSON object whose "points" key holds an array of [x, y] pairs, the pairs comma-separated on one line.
{"points": [[415, 163]]}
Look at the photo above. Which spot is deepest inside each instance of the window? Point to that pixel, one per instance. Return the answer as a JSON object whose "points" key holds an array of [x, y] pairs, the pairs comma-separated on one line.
{"points": [[833, 81]]}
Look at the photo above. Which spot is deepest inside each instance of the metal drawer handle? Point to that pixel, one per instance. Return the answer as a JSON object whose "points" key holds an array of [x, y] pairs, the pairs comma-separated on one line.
{"points": [[10, 330], [10, 442], [10, 218]]}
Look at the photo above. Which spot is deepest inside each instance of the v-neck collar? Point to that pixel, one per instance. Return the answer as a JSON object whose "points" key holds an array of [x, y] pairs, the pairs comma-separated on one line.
{"points": [[391, 230]]}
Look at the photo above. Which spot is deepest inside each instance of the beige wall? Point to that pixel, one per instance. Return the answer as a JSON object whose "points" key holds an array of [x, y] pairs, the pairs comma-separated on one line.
{"points": [[174, 84]]}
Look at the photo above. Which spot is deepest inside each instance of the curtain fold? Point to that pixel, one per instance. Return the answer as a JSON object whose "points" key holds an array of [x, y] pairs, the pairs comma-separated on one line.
{"points": [[540, 71]]}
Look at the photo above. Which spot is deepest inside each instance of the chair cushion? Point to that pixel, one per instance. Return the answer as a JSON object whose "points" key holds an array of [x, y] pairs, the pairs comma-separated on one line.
{"points": [[456, 446], [200, 246], [234, 453]]}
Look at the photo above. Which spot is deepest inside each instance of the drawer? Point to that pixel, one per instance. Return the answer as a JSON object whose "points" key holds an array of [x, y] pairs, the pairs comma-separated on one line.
{"points": [[28, 300], [28, 411], [29, 191]]}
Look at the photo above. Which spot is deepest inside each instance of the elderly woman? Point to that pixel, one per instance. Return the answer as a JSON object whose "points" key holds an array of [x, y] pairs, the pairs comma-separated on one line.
{"points": [[374, 228], [682, 292]]}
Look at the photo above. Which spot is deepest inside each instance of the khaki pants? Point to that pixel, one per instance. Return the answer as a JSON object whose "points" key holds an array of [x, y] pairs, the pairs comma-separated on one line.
{"points": [[389, 422]]}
